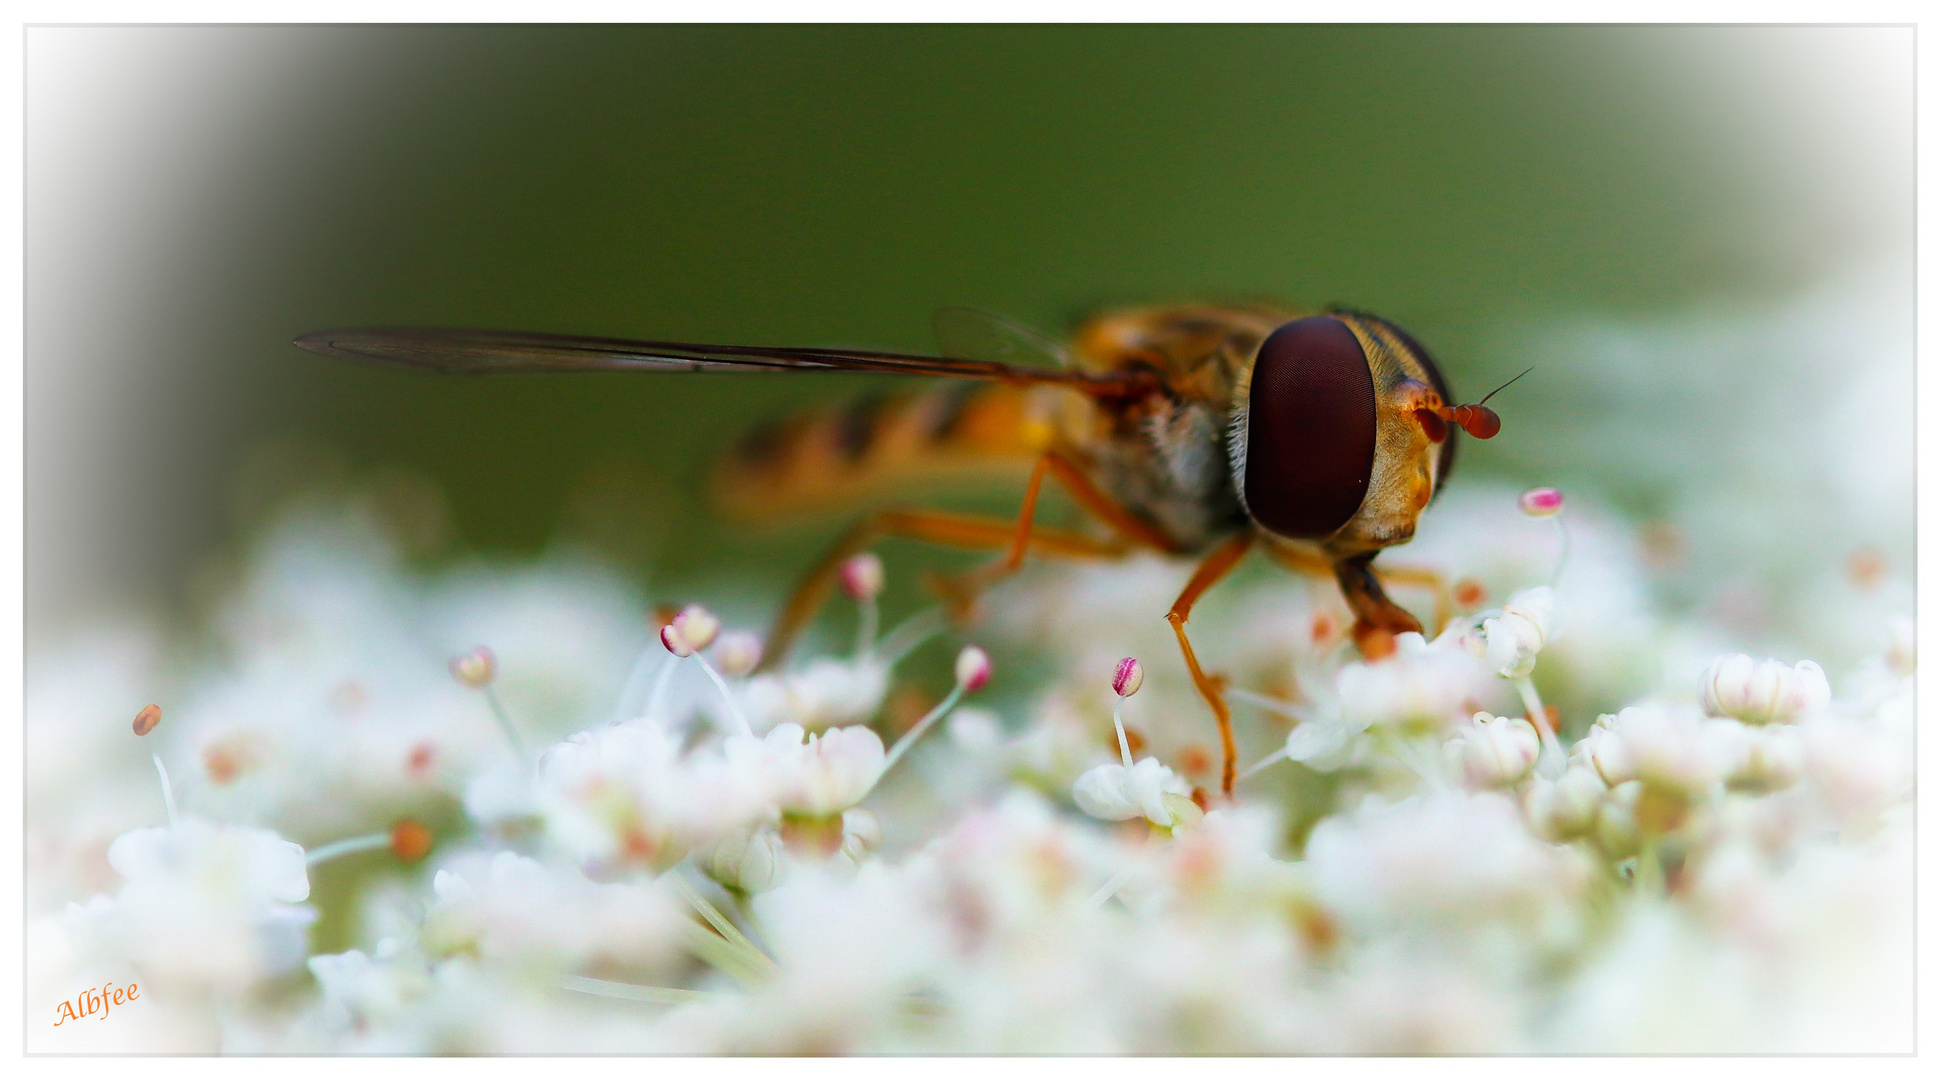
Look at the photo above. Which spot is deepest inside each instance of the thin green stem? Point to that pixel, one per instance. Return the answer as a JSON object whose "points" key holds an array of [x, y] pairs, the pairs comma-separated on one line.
{"points": [[720, 684], [916, 732], [865, 631], [339, 848], [168, 793], [1274, 758], [1271, 704], [658, 995], [1124, 744], [1552, 759], [659, 691], [755, 959], [1109, 889], [1397, 749], [908, 634], [1562, 548], [505, 724]]}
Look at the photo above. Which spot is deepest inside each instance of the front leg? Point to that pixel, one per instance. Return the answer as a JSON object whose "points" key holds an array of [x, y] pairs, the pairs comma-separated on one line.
{"points": [[1377, 619]]}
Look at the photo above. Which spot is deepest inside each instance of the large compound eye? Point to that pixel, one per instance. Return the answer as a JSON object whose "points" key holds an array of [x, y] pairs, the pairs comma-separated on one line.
{"points": [[1310, 429]]}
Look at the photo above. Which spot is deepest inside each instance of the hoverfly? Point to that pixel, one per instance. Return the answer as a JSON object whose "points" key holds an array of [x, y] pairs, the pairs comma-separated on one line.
{"points": [[1204, 430]]}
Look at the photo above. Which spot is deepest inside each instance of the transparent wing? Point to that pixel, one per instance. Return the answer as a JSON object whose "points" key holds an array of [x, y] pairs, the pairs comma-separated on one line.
{"points": [[969, 334], [488, 352]]}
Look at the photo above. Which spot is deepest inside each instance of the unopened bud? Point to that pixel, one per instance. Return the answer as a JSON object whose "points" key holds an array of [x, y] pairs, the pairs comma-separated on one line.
{"points": [[861, 577], [1496, 751], [697, 627], [1762, 692], [739, 654], [1128, 678], [861, 831], [147, 718], [1541, 502], [476, 668], [973, 668], [410, 841]]}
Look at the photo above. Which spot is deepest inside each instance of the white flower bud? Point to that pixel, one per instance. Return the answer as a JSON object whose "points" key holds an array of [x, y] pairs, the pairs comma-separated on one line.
{"points": [[750, 862], [861, 832], [1762, 692], [1674, 751], [1494, 751], [827, 773], [1519, 633], [739, 654], [1115, 793]]}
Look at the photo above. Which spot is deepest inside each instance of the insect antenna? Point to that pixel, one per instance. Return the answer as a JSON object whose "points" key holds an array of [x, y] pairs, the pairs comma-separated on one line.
{"points": [[1504, 386], [1478, 419]]}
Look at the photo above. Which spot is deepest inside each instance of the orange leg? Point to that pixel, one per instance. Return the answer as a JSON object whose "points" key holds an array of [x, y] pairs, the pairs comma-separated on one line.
{"points": [[1426, 578], [1215, 566], [1377, 619], [1133, 530], [935, 527]]}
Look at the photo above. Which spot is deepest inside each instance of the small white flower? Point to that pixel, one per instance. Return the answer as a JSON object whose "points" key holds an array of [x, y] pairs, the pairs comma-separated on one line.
{"points": [[508, 909], [825, 774], [1494, 751], [1519, 633], [1670, 749], [1148, 789], [752, 862], [1767, 692], [1422, 685], [623, 794], [205, 903], [825, 693]]}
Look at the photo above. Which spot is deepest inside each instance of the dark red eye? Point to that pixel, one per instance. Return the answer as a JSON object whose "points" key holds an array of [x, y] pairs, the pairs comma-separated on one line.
{"points": [[1310, 429]]}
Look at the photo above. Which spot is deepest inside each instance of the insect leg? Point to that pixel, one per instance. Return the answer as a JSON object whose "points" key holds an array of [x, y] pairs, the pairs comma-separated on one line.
{"points": [[1376, 618], [936, 527], [1216, 566], [1132, 531], [1427, 578]]}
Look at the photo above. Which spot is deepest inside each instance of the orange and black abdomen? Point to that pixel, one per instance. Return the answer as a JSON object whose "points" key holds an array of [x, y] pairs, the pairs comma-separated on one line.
{"points": [[839, 457]]}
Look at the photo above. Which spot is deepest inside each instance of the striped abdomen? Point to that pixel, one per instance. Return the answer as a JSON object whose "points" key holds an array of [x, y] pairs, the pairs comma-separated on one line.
{"points": [[837, 457]]}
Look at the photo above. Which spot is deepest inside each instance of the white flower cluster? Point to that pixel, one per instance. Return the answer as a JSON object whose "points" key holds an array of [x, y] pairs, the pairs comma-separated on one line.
{"points": [[583, 839]]}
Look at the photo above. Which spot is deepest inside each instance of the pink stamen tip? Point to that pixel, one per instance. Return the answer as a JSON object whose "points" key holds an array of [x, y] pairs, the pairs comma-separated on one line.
{"points": [[476, 668], [1128, 677], [670, 637], [862, 577], [1542, 502]]}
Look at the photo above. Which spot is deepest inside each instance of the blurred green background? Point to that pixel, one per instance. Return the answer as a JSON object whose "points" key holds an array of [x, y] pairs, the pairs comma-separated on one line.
{"points": [[198, 197]]}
